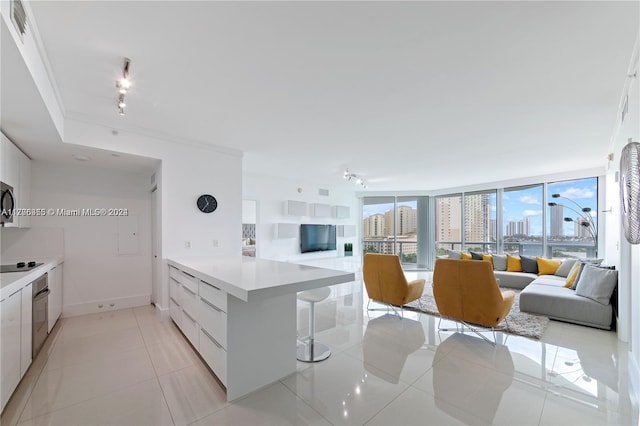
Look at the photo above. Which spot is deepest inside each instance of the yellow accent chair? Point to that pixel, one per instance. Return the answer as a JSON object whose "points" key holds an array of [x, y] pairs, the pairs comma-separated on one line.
{"points": [[385, 281], [467, 291]]}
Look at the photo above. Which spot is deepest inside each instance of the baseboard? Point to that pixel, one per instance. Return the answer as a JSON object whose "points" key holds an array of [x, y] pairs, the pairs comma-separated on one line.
{"points": [[162, 313], [93, 307]]}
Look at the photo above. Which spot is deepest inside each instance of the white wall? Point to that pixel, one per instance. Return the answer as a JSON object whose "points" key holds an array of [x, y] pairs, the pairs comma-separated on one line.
{"points": [[625, 256], [187, 171], [271, 193], [95, 272]]}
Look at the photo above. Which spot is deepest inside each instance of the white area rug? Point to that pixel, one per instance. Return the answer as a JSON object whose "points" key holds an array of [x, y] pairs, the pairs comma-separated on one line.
{"points": [[520, 323]]}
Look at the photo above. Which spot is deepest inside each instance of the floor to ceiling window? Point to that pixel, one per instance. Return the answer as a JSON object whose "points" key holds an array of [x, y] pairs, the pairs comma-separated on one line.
{"points": [[522, 220], [480, 232], [572, 218], [397, 225], [448, 224], [553, 219]]}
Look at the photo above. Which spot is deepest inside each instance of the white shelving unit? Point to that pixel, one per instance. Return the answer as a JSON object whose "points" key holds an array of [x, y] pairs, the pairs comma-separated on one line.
{"points": [[320, 210], [295, 208], [285, 230]]}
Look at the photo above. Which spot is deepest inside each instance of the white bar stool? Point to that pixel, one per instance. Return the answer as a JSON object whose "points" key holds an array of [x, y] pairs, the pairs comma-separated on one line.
{"points": [[310, 351]]}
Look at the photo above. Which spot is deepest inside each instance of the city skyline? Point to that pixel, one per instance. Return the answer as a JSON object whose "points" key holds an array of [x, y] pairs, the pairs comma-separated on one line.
{"points": [[520, 204]]}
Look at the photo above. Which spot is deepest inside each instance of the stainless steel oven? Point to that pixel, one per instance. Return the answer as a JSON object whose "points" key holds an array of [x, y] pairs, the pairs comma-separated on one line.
{"points": [[8, 203], [40, 313]]}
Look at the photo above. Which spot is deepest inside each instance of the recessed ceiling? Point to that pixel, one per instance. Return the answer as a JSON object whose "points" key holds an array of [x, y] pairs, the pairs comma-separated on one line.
{"points": [[408, 95]]}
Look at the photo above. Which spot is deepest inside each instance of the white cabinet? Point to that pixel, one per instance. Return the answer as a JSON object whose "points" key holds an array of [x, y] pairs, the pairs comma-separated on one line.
{"points": [[55, 296], [15, 171], [285, 230], [10, 311], [23, 197], [320, 210], [10, 163], [199, 308], [26, 329], [183, 304], [295, 208]]}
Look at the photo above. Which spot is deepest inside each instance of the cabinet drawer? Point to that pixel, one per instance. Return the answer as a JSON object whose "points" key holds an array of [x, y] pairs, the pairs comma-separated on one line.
{"points": [[191, 329], [175, 312], [183, 278], [214, 355], [213, 295], [214, 321], [189, 302], [175, 290]]}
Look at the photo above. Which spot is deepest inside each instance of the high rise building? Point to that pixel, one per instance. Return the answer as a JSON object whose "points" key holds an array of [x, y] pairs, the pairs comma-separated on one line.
{"points": [[406, 220], [518, 227], [580, 231], [448, 211], [557, 221], [477, 211], [374, 226]]}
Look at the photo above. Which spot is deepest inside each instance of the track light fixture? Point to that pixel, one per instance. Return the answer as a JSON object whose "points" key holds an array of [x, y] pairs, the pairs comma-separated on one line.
{"points": [[123, 85], [355, 178]]}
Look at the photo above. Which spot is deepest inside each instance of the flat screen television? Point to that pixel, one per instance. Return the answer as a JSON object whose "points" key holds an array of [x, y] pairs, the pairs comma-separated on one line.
{"points": [[317, 237]]}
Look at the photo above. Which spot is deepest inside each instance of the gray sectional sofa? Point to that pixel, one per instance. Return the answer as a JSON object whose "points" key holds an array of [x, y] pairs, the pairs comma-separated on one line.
{"points": [[546, 295]]}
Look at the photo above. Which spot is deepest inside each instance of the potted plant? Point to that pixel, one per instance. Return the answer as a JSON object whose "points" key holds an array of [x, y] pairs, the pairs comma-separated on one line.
{"points": [[348, 249]]}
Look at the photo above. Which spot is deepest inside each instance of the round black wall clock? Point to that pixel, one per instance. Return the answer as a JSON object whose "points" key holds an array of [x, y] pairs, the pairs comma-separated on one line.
{"points": [[207, 203]]}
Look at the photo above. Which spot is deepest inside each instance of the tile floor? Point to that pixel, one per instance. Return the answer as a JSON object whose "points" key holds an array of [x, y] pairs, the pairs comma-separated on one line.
{"points": [[129, 368]]}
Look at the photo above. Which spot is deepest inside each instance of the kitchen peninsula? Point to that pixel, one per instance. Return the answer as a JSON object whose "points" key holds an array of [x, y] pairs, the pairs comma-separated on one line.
{"points": [[240, 314]]}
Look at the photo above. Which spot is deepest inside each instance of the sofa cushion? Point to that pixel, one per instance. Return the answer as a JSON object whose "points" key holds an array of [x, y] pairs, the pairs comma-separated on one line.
{"points": [[518, 280], [564, 304], [475, 255], [572, 277], [529, 264], [465, 256], [565, 267], [499, 262], [514, 264], [547, 266], [454, 254], [550, 280], [487, 258], [597, 284]]}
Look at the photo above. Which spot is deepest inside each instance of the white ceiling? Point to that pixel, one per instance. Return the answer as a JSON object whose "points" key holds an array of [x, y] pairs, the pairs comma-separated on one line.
{"points": [[410, 95]]}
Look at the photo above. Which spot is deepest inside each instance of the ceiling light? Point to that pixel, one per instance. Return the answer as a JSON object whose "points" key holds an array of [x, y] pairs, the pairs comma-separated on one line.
{"points": [[355, 178], [121, 103]]}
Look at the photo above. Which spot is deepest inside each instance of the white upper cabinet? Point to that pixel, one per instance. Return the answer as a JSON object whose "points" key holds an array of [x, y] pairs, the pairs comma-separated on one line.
{"points": [[15, 171], [320, 210], [295, 208]]}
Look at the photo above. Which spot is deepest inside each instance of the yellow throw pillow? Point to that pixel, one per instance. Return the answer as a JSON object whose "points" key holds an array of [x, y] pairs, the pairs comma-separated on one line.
{"points": [[571, 277], [547, 266], [465, 256], [487, 258], [514, 264]]}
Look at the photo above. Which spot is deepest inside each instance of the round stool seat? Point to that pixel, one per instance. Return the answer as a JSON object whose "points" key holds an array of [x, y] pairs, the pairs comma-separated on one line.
{"points": [[315, 295], [312, 351]]}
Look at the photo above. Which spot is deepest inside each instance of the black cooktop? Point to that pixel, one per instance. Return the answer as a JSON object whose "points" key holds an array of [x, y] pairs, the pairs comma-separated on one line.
{"points": [[19, 267]]}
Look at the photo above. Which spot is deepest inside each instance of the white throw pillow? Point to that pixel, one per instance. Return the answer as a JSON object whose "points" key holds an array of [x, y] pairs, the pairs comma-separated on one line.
{"points": [[597, 284]]}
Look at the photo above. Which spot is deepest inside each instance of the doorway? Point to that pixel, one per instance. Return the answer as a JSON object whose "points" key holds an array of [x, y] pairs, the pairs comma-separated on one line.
{"points": [[249, 224]]}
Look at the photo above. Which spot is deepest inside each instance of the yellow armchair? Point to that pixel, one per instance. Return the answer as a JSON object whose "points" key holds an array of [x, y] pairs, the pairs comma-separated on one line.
{"points": [[385, 281], [467, 291]]}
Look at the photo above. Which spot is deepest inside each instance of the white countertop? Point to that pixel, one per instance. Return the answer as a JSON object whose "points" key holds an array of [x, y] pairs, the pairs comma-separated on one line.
{"points": [[248, 277], [10, 282]]}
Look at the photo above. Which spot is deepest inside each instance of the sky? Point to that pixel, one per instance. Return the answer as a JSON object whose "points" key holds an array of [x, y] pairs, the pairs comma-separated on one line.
{"points": [[528, 202]]}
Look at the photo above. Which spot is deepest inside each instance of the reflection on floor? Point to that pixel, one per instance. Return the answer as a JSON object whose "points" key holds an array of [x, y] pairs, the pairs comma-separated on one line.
{"points": [[127, 367]]}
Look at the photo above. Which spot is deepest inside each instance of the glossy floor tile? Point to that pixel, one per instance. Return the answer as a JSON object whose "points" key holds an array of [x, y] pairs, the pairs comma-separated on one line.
{"points": [[130, 368]]}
